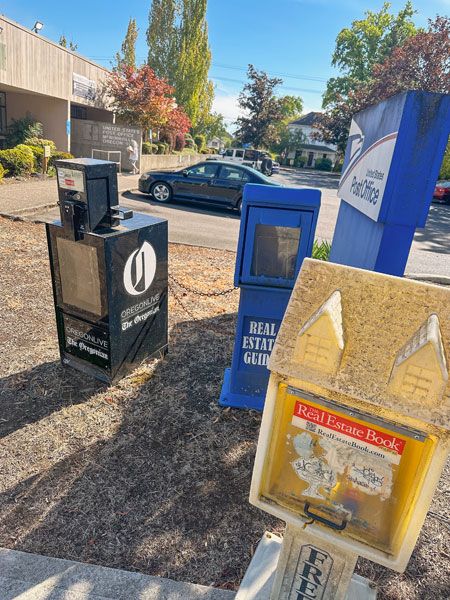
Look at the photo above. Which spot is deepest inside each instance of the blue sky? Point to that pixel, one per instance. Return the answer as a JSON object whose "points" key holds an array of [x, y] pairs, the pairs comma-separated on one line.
{"points": [[293, 39]]}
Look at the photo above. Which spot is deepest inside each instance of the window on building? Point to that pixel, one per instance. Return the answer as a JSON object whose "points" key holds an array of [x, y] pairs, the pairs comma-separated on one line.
{"points": [[324, 155], [78, 112]]}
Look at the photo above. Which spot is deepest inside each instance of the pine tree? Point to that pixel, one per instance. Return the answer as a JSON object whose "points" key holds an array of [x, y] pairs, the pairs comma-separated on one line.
{"points": [[163, 38], [193, 89], [127, 55]]}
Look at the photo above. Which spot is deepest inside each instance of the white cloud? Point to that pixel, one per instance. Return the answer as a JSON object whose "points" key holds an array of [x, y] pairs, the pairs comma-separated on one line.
{"points": [[227, 105]]}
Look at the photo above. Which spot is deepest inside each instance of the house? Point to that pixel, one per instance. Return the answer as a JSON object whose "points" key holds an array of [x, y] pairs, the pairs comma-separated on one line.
{"points": [[52, 84], [216, 143], [312, 148]]}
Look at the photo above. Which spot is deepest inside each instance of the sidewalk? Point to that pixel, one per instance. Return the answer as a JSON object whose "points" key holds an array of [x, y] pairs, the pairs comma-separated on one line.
{"points": [[36, 194], [34, 577]]}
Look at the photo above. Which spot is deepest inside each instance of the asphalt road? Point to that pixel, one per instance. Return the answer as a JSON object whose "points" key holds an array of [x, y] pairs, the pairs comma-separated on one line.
{"points": [[197, 225]]}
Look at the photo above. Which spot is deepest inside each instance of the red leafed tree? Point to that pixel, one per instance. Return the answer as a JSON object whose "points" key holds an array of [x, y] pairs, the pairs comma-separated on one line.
{"points": [[138, 96], [421, 63]]}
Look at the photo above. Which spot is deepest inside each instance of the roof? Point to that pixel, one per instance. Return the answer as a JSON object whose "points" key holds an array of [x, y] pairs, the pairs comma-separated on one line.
{"points": [[309, 119], [381, 315], [315, 147]]}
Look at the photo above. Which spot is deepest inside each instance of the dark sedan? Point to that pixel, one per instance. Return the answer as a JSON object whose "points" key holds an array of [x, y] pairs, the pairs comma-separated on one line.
{"points": [[217, 182]]}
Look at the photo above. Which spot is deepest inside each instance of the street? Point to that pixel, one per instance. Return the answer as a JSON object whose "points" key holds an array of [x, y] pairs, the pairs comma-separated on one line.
{"points": [[197, 225]]}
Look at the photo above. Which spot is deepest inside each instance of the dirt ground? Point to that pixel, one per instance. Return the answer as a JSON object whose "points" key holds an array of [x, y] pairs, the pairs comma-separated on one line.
{"points": [[149, 475]]}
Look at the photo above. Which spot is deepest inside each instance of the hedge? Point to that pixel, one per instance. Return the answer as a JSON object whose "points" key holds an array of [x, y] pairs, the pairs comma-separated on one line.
{"points": [[36, 141], [149, 148], [17, 161], [2, 172], [323, 164], [58, 155]]}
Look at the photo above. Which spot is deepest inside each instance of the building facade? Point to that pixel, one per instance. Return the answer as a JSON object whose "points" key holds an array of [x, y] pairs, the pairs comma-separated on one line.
{"points": [[312, 148], [48, 82]]}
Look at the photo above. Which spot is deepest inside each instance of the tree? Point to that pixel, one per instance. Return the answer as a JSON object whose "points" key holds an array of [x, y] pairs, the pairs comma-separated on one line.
{"points": [[139, 97], [163, 39], [291, 107], [127, 55], [63, 42], [212, 125], [367, 42], [421, 63], [193, 89], [286, 139], [262, 109]]}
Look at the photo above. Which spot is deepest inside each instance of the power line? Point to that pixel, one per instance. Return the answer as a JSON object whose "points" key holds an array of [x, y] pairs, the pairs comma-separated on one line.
{"points": [[241, 69], [284, 87]]}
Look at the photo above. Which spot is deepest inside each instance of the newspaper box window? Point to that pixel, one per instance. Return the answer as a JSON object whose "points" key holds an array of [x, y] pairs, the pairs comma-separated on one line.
{"points": [[355, 429], [276, 233], [109, 274]]}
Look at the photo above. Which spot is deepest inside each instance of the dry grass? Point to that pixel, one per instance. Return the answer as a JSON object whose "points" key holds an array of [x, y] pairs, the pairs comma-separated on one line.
{"points": [[150, 474]]}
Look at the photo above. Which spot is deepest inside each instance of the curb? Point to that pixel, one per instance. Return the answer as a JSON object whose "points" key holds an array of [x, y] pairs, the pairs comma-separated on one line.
{"points": [[429, 278]]}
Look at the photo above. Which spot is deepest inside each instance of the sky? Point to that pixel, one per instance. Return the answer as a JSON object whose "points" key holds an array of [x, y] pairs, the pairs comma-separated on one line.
{"points": [[291, 39]]}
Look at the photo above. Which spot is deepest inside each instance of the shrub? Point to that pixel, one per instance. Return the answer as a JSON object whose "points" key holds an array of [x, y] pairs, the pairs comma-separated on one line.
{"points": [[161, 147], [17, 161], [180, 142], [38, 153], [445, 167], [58, 155], [2, 172], [323, 164], [149, 148], [37, 141], [300, 161], [204, 151], [168, 139], [321, 251], [22, 129], [189, 141], [200, 142]]}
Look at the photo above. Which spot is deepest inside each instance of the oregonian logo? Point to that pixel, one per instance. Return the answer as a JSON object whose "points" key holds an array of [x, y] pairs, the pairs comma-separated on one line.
{"points": [[140, 270]]}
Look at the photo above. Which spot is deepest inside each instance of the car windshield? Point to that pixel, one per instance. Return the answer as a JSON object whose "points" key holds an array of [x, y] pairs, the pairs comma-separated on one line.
{"points": [[444, 184]]}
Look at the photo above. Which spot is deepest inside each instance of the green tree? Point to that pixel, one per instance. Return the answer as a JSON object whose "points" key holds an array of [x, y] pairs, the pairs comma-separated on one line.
{"points": [[291, 107], [367, 42], [63, 42], [193, 89], [212, 125], [127, 55], [163, 38], [421, 63], [262, 110]]}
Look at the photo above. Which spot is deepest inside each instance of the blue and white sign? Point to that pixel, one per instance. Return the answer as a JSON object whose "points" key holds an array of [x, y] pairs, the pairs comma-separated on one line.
{"points": [[363, 182], [394, 152]]}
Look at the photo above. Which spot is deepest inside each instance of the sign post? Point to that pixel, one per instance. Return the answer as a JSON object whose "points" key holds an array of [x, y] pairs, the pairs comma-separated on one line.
{"points": [[355, 433], [276, 233], [392, 161]]}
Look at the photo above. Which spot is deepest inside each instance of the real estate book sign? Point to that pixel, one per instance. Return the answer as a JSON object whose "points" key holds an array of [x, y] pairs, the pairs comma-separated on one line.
{"points": [[392, 160]]}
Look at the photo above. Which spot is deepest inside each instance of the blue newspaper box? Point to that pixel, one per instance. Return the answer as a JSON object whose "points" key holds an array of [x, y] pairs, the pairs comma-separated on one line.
{"points": [[276, 234]]}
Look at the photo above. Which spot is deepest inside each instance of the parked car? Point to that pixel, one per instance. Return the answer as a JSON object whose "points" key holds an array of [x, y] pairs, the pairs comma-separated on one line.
{"points": [[217, 182], [249, 157], [442, 191]]}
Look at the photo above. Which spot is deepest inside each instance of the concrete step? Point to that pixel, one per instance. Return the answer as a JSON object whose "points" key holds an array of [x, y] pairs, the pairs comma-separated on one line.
{"points": [[26, 576]]}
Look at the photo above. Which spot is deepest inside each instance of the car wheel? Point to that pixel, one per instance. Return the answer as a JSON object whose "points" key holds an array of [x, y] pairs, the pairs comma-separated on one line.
{"points": [[239, 206], [161, 192]]}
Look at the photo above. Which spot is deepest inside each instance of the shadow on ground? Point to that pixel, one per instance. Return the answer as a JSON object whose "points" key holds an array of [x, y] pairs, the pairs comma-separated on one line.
{"points": [[435, 237], [184, 205], [166, 492]]}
